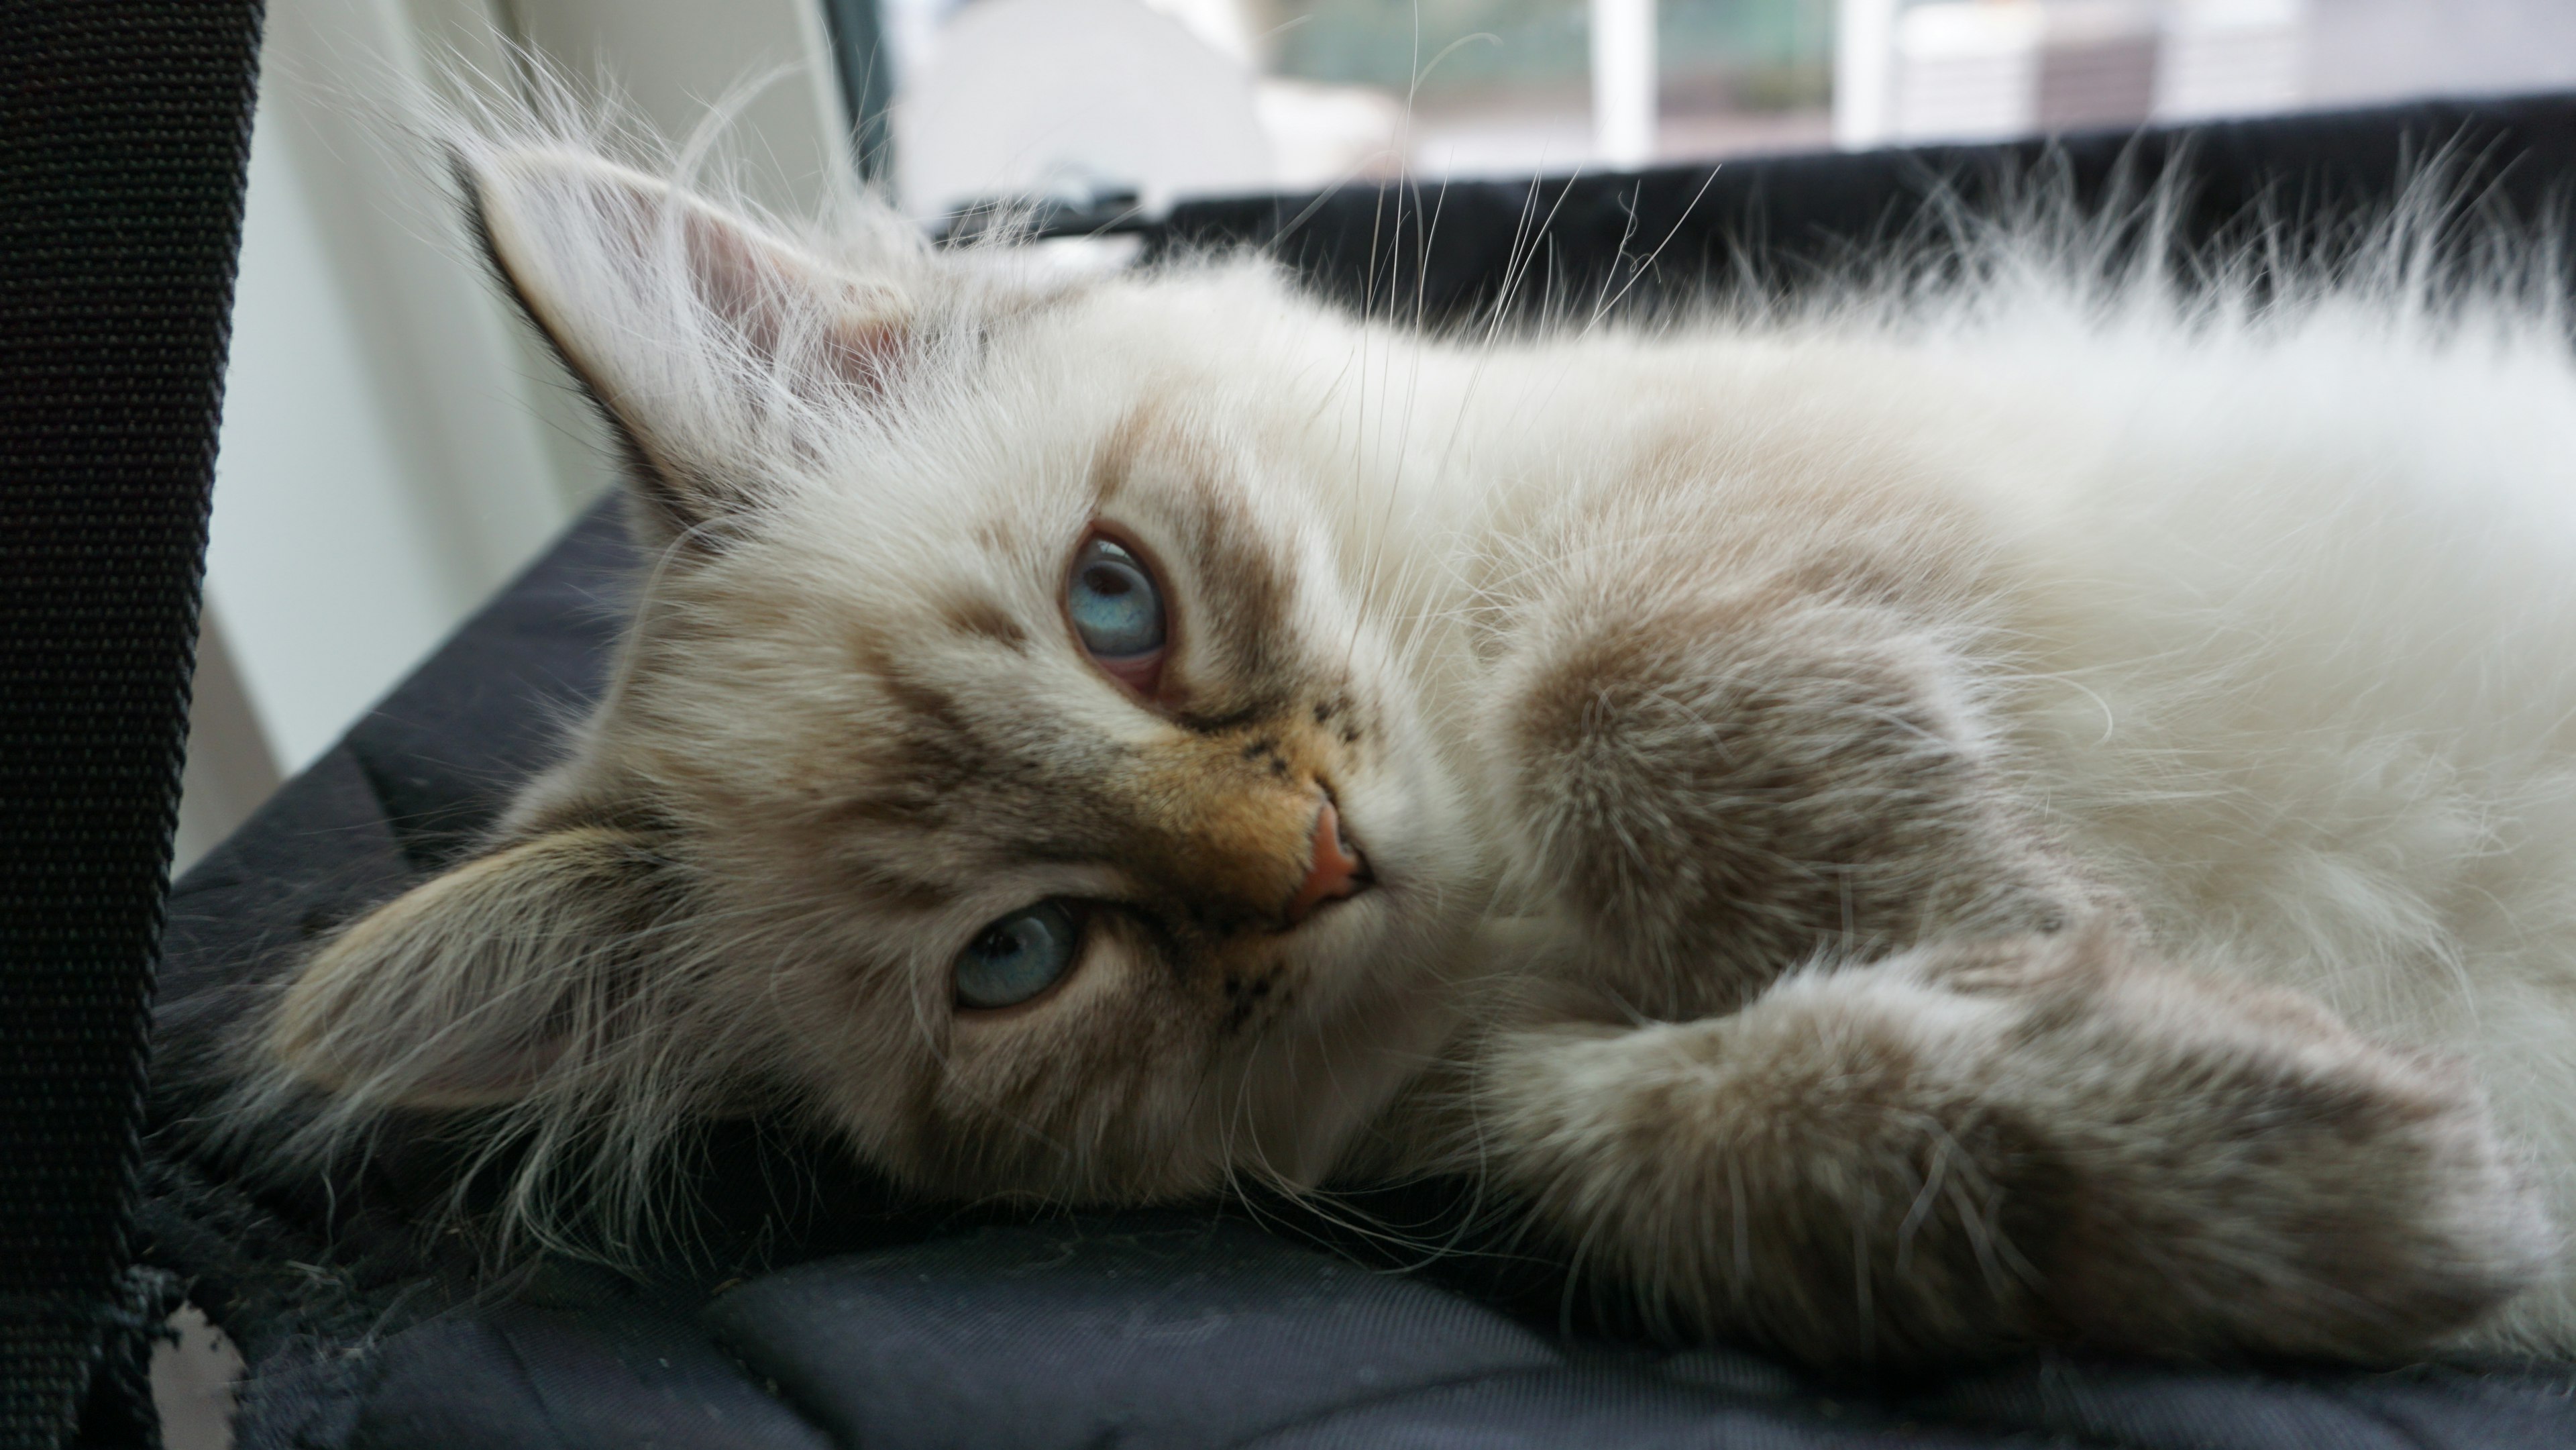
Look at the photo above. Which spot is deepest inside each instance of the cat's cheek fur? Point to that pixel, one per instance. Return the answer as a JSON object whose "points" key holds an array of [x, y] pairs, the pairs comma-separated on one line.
{"points": [[1027, 1101]]}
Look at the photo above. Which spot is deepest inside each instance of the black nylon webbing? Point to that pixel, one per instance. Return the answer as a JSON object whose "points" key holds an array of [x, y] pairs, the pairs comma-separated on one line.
{"points": [[124, 131]]}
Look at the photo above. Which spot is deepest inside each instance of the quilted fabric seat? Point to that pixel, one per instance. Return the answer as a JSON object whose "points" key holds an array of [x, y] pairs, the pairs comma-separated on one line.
{"points": [[820, 1312]]}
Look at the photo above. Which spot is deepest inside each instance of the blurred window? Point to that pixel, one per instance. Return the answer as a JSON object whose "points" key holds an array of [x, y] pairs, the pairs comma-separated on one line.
{"points": [[1942, 70], [1162, 98]]}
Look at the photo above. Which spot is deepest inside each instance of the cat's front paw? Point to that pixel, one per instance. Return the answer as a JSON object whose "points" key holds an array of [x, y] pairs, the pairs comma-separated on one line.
{"points": [[1967, 1151], [2210, 1169]]}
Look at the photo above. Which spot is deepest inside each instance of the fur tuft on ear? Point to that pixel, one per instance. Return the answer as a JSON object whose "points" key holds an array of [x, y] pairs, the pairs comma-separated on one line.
{"points": [[714, 345], [473, 989]]}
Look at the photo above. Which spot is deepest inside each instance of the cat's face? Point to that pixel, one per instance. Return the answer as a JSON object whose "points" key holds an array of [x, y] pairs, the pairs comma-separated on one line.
{"points": [[1001, 764]]}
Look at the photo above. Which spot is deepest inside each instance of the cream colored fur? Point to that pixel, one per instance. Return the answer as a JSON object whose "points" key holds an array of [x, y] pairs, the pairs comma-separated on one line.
{"points": [[1866, 767]]}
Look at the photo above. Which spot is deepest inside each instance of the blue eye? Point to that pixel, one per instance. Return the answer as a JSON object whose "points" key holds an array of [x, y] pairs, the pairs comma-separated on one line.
{"points": [[1018, 956], [1113, 602]]}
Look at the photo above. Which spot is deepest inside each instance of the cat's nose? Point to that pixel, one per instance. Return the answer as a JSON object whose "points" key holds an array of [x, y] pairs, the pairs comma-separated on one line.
{"points": [[1337, 871]]}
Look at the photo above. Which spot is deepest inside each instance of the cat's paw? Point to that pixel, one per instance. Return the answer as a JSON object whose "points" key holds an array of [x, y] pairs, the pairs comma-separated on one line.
{"points": [[2210, 1169], [2055, 1141]]}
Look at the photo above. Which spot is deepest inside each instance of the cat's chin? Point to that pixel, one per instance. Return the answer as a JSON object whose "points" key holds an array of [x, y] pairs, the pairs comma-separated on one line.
{"points": [[1376, 952], [1379, 1001]]}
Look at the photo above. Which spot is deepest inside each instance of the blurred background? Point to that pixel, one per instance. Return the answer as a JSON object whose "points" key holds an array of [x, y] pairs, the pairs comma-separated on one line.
{"points": [[395, 447], [1064, 94]]}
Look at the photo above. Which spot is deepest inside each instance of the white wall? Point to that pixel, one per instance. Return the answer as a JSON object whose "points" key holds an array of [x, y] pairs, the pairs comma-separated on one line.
{"points": [[395, 443], [1911, 70], [379, 469], [673, 58]]}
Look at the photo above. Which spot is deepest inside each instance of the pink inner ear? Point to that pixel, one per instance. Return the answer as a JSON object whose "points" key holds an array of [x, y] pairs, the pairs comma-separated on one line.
{"points": [[755, 286], [590, 248], [864, 350]]}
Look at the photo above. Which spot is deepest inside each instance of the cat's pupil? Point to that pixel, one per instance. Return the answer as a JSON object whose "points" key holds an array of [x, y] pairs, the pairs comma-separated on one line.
{"points": [[1018, 956], [1114, 604]]}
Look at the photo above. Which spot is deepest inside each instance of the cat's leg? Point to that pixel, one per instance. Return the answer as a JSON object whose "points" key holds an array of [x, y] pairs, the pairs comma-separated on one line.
{"points": [[2047, 1140], [2007, 1124], [1717, 784]]}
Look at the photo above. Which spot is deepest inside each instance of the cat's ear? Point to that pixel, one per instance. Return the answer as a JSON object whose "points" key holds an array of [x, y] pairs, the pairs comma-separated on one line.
{"points": [[715, 346], [470, 989]]}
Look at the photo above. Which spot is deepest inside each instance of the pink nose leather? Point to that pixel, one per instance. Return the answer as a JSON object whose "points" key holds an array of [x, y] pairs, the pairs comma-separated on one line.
{"points": [[1337, 871]]}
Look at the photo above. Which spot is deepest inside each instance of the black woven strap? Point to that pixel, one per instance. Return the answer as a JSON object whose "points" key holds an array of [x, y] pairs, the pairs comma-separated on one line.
{"points": [[124, 132]]}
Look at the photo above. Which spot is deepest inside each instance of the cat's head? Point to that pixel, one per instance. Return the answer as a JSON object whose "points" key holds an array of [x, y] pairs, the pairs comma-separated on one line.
{"points": [[1004, 762]]}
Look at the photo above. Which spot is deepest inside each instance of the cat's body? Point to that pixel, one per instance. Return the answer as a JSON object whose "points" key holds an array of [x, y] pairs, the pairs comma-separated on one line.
{"points": [[1814, 812]]}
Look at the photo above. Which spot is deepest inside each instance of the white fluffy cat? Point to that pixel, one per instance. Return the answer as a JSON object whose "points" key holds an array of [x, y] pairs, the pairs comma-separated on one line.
{"points": [[2029, 811]]}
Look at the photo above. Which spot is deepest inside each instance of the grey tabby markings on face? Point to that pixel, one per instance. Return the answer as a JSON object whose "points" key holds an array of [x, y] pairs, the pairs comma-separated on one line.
{"points": [[975, 614], [1244, 667]]}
